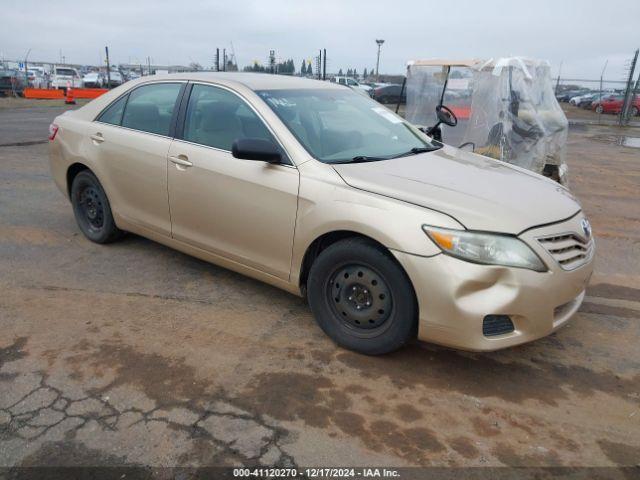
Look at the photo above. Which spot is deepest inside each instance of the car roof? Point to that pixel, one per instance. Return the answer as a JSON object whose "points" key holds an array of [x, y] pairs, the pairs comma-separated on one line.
{"points": [[253, 81]]}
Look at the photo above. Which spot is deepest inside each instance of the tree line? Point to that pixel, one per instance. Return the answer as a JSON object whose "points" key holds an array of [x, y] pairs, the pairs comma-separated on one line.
{"points": [[287, 67]]}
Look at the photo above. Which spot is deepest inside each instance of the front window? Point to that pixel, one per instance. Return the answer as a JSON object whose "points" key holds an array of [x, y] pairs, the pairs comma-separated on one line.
{"points": [[337, 126], [216, 117]]}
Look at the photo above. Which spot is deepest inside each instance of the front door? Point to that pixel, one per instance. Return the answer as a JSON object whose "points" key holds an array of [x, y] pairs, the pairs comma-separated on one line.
{"points": [[243, 210]]}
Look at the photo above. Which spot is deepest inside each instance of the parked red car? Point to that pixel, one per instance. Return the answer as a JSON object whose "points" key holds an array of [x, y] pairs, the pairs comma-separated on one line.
{"points": [[613, 104]]}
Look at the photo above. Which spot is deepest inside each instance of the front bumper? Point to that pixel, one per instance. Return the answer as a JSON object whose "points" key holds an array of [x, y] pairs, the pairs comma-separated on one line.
{"points": [[454, 296]]}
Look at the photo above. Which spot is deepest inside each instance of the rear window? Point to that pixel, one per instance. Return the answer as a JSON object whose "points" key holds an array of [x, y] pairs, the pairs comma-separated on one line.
{"points": [[150, 108], [113, 114], [65, 71]]}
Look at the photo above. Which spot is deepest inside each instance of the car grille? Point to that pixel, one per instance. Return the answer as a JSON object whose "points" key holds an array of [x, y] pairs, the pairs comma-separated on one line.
{"points": [[569, 250]]}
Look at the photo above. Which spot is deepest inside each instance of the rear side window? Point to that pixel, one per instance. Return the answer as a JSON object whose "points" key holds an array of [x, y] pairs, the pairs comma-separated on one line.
{"points": [[216, 117], [150, 108], [113, 114]]}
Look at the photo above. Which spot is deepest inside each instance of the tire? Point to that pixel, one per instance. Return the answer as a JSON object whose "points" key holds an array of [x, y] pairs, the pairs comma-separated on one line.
{"points": [[361, 297], [599, 109], [634, 111], [92, 210]]}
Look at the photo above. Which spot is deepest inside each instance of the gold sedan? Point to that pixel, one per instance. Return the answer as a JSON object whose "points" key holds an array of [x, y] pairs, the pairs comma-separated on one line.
{"points": [[315, 189]]}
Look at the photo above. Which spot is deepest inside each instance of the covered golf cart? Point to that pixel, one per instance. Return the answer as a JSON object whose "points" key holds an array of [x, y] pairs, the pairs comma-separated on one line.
{"points": [[503, 108]]}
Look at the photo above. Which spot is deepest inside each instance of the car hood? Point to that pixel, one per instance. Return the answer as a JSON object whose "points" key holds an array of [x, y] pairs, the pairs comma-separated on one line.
{"points": [[479, 192]]}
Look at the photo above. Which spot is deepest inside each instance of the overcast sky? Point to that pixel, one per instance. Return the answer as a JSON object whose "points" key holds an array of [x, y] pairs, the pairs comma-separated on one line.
{"points": [[582, 33]]}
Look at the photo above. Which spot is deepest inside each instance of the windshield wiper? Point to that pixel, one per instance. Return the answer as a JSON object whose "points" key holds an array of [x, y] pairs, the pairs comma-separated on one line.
{"points": [[361, 159], [365, 158], [415, 151]]}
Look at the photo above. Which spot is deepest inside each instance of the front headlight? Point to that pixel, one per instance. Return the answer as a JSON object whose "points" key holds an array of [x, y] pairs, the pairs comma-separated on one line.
{"points": [[485, 248]]}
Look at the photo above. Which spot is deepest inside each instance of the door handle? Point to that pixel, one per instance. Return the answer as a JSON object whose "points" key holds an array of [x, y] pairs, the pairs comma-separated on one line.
{"points": [[181, 160], [97, 138]]}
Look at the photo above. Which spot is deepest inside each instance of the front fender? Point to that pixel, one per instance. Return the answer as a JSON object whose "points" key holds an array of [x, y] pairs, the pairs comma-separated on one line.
{"points": [[327, 204]]}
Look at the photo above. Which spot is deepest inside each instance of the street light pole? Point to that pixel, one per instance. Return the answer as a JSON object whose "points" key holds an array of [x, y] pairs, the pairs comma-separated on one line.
{"points": [[379, 42]]}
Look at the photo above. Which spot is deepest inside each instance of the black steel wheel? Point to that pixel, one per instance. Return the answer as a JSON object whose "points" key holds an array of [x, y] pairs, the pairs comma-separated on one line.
{"points": [[91, 207], [362, 298], [92, 210]]}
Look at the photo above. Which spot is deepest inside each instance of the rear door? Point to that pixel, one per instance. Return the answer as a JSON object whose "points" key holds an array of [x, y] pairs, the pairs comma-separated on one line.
{"points": [[242, 210], [129, 144]]}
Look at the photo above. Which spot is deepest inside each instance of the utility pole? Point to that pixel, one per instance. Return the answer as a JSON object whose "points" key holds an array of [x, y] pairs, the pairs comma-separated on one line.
{"points": [[558, 80], [26, 70], [149, 65], [600, 91], [379, 42], [106, 51], [217, 59], [234, 59], [628, 94], [324, 64], [224, 59], [319, 65]]}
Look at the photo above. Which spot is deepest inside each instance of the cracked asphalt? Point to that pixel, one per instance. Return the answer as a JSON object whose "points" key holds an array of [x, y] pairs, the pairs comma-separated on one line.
{"points": [[134, 354]]}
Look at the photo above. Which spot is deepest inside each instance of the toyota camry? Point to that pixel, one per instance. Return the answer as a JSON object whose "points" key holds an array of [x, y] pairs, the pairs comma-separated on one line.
{"points": [[311, 187]]}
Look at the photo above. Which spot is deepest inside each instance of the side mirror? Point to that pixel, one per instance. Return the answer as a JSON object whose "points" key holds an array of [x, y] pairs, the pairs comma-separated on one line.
{"points": [[256, 149]]}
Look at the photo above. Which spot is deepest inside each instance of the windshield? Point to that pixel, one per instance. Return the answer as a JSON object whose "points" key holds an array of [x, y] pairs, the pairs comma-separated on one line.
{"points": [[65, 71], [340, 125]]}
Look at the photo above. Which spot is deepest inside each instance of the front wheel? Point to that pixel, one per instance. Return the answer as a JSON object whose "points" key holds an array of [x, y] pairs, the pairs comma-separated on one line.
{"points": [[92, 210], [599, 109], [362, 298], [634, 111]]}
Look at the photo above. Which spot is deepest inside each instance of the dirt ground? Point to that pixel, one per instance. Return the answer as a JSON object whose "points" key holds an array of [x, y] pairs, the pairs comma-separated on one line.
{"points": [[134, 354]]}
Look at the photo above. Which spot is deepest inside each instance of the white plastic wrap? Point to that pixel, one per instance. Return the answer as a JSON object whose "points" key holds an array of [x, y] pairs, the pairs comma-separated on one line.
{"points": [[425, 85], [506, 109]]}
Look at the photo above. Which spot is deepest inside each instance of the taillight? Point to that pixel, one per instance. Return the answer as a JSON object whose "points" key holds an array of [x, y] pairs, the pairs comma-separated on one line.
{"points": [[53, 129]]}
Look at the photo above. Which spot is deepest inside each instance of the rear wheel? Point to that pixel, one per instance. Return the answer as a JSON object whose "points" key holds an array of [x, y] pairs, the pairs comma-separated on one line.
{"points": [[362, 298], [634, 111], [92, 210], [599, 109]]}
